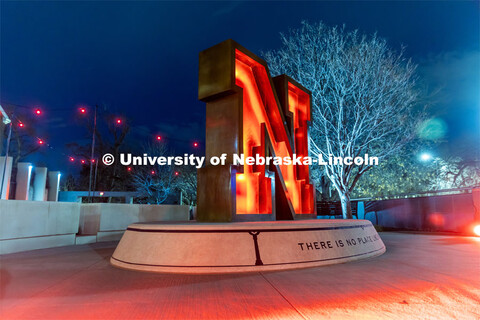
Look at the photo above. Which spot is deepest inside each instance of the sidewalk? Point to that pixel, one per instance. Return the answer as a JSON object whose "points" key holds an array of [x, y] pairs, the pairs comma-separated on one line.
{"points": [[419, 277]]}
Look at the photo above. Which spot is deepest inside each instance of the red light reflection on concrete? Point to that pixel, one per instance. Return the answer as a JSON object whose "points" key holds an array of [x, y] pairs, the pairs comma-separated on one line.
{"points": [[419, 277]]}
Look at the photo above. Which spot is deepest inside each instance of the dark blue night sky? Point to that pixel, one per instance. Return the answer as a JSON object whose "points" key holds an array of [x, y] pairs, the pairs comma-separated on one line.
{"points": [[141, 59]]}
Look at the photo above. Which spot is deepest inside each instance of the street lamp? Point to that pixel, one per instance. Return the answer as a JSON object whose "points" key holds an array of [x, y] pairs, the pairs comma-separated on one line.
{"points": [[426, 156], [95, 180], [83, 111]]}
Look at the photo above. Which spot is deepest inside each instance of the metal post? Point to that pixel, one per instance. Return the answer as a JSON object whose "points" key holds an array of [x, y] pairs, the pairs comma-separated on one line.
{"points": [[95, 179], [6, 120], [92, 155], [6, 159]]}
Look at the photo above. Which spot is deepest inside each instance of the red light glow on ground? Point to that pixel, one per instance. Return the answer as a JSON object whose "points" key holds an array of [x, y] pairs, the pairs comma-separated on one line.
{"points": [[421, 277]]}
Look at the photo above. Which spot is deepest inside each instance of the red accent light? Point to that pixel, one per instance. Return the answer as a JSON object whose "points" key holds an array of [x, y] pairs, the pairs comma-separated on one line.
{"points": [[38, 112], [21, 125], [72, 159], [40, 141], [159, 138], [195, 144], [152, 172], [93, 160], [82, 161], [129, 169], [436, 219], [118, 121], [176, 173], [82, 110]]}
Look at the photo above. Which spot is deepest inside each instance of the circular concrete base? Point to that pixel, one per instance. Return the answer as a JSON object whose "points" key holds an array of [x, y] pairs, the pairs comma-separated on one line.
{"points": [[193, 247]]}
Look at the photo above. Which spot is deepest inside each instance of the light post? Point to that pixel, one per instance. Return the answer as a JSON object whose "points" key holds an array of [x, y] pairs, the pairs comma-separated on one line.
{"points": [[95, 179], [82, 110], [6, 120]]}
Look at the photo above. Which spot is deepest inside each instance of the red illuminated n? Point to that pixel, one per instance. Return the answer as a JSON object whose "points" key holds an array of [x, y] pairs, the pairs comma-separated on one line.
{"points": [[250, 113]]}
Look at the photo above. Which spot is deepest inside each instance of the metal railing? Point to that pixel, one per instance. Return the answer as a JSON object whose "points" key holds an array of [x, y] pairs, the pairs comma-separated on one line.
{"points": [[422, 194]]}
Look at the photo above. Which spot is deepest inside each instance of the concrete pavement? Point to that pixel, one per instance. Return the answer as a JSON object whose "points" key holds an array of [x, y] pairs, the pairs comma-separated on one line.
{"points": [[419, 277]]}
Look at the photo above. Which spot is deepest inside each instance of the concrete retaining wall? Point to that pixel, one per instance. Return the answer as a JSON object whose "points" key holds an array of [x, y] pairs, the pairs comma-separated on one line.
{"points": [[109, 220], [30, 225], [449, 213]]}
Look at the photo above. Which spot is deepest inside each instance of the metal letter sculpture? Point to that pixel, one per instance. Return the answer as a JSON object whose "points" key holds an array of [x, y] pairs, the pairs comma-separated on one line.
{"points": [[252, 114]]}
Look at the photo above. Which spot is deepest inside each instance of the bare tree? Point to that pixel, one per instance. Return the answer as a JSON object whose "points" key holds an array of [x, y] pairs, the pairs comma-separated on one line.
{"points": [[455, 172], [363, 96], [24, 140], [157, 182], [110, 138], [402, 174], [187, 184]]}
